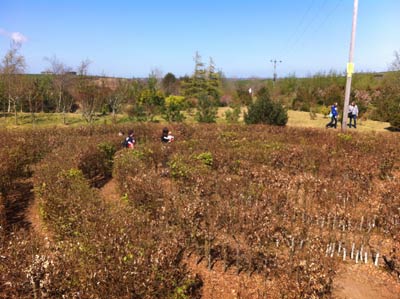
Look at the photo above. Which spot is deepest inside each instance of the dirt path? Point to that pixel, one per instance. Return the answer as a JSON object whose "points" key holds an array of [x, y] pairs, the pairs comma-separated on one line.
{"points": [[36, 223], [110, 192], [351, 282], [365, 282], [230, 285], [17, 204]]}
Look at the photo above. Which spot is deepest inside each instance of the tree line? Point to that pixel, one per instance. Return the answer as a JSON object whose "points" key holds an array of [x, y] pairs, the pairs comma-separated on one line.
{"points": [[63, 89]]}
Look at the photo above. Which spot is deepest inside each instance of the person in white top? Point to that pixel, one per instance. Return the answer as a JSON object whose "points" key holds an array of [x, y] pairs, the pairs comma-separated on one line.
{"points": [[170, 137], [353, 114]]}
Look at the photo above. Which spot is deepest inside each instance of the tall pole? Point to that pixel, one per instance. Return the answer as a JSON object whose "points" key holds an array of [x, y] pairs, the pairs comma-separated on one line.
{"points": [[275, 62], [350, 68]]}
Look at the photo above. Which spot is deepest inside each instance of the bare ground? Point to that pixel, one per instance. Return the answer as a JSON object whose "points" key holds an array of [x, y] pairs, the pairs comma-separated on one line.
{"points": [[358, 281], [17, 203], [229, 284], [109, 191]]}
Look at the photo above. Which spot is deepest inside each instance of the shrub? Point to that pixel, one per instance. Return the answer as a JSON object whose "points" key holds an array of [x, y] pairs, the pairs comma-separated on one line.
{"points": [[138, 179], [173, 107], [394, 113], [206, 158], [265, 111], [96, 163], [232, 115], [180, 169], [324, 110]]}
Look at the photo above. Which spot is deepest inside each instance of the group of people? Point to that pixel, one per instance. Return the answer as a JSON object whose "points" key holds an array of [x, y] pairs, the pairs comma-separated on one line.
{"points": [[352, 115], [130, 141]]}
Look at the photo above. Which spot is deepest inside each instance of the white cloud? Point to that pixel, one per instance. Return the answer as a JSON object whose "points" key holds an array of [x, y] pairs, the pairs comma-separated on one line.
{"points": [[16, 37]]}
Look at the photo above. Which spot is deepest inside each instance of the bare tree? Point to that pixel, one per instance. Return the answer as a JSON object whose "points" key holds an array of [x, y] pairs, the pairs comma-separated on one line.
{"points": [[31, 93], [62, 79], [83, 67], [118, 96], [13, 65], [87, 92]]}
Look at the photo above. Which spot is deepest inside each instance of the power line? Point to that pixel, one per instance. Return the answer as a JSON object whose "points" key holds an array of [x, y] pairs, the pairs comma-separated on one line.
{"points": [[308, 25], [338, 3], [274, 61], [299, 25], [321, 24]]}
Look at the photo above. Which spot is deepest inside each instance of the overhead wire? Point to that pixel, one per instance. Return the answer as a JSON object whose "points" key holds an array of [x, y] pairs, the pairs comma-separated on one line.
{"points": [[306, 28], [321, 23], [338, 3], [299, 25]]}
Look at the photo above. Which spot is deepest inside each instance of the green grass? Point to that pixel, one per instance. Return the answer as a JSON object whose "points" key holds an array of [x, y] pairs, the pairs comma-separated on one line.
{"points": [[296, 119]]}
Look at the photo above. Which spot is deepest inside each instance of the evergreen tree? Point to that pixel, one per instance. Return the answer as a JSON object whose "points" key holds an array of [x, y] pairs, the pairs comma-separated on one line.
{"points": [[265, 111], [196, 85], [206, 109], [203, 81], [213, 81]]}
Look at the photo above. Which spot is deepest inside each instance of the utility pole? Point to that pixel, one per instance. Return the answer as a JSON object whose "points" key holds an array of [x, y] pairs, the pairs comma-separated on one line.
{"points": [[350, 68], [274, 61]]}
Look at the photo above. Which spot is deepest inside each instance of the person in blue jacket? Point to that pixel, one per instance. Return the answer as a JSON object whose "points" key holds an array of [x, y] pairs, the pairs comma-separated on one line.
{"points": [[334, 116]]}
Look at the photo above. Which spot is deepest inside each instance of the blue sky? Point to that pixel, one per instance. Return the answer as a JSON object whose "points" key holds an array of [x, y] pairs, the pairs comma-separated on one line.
{"points": [[132, 38]]}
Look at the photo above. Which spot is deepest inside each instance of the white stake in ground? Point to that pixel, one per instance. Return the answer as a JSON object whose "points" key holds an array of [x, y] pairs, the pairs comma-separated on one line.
{"points": [[376, 259]]}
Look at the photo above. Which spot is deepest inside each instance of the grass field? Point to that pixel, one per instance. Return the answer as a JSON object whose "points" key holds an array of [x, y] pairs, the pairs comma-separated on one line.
{"points": [[303, 119], [296, 119]]}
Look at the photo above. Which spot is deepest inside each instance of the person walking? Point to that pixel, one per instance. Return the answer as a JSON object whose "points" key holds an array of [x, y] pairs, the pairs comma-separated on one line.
{"points": [[353, 109], [334, 115]]}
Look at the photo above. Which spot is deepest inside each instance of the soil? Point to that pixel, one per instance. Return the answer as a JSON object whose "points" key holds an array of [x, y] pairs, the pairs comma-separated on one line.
{"points": [[229, 284], [36, 223], [365, 282], [17, 203], [353, 281], [110, 192]]}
